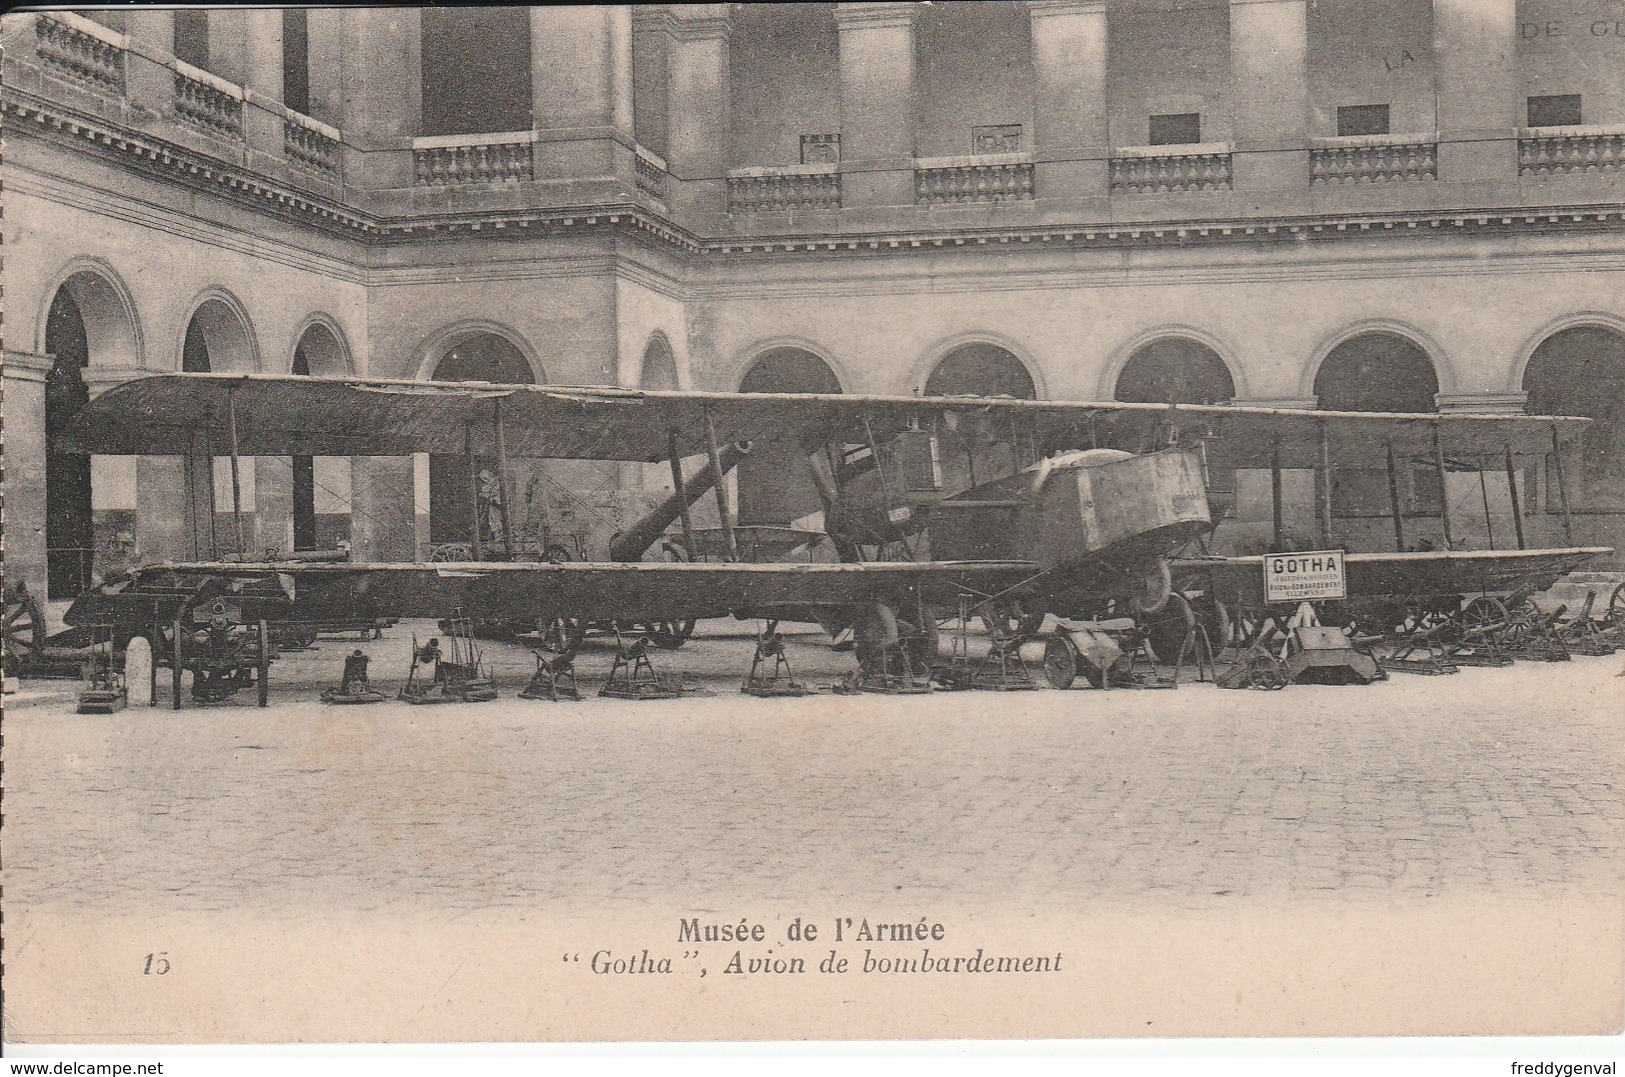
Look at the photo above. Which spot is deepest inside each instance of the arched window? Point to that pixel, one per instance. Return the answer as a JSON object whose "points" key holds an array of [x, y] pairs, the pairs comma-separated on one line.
{"points": [[217, 340]]}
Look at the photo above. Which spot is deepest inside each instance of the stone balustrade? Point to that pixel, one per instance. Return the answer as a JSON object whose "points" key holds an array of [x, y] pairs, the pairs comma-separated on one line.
{"points": [[1373, 159], [1555, 151], [310, 143], [793, 189], [1000, 177], [459, 160], [208, 101], [1165, 169], [81, 49], [653, 177]]}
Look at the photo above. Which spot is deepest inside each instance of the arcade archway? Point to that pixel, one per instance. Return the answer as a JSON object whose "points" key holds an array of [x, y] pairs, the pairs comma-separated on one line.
{"points": [[462, 490], [1581, 371], [1175, 370], [1386, 371], [88, 324], [775, 482], [975, 448], [321, 485], [1378, 371]]}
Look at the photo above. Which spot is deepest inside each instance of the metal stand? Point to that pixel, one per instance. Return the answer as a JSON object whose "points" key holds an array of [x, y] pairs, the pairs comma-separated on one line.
{"points": [[1002, 669], [1583, 635], [633, 676], [106, 691], [457, 675], [778, 679], [555, 676]]}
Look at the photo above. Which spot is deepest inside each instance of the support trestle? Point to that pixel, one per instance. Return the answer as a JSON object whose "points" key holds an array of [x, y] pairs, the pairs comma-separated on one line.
{"points": [[770, 674]]}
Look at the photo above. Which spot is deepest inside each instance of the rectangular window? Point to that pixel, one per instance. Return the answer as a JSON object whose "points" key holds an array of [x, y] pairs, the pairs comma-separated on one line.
{"points": [[1362, 120], [820, 149], [1555, 110], [192, 37], [1180, 129], [996, 138], [295, 60]]}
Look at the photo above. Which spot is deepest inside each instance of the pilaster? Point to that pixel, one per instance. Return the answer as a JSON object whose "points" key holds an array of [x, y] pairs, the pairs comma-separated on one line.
{"points": [[877, 103], [581, 90], [1269, 50], [1070, 150], [1475, 54], [698, 102]]}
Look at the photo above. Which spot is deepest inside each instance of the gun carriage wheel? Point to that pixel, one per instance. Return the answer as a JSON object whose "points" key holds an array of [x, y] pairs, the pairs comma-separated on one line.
{"points": [[1060, 661], [1614, 616], [24, 629]]}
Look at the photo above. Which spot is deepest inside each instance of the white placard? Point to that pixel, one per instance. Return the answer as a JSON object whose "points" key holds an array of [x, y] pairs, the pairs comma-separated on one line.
{"points": [[1304, 577]]}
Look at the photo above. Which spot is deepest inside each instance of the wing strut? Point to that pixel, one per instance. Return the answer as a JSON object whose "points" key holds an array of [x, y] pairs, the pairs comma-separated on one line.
{"points": [[721, 489], [1484, 493], [473, 486], [1393, 501], [1444, 491], [1512, 492], [1275, 495], [1562, 489], [502, 480], [236, 484], [680, 488], [1325, 490]]}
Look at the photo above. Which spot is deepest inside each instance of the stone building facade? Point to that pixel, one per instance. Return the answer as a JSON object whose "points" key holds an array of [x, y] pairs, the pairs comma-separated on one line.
{"points": [[1415, 205]]}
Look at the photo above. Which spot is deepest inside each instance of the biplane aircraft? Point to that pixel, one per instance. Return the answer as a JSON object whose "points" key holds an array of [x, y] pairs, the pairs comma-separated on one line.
{"points": [[1082, 518]]}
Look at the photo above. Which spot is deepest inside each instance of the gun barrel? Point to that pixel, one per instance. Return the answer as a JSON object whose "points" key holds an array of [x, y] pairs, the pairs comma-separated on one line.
{"points": [[635, 541]]}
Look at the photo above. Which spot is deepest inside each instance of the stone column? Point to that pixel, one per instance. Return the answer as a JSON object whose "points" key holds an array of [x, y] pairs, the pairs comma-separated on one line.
{"points": [[1269, 46], [651, 34], [877, 103], [698, 96], [1475, 63], [382, 102], [149, 85], [581, 90], [324, 27], [1070, 144], [262, 85]]}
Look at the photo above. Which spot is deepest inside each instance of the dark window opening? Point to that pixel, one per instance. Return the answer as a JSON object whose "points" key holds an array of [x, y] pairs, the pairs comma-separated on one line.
{"points": [[1181, 129], [1362, 120], [476, 70], [296, 60], [192, 37], [69, 529], [1555, 110]]}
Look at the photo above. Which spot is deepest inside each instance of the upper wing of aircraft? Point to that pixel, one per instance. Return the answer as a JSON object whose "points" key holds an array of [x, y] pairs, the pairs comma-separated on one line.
{"points": [[281, 415]]}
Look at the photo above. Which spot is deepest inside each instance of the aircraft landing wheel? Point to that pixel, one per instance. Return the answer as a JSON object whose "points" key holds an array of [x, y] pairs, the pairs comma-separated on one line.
{"points": [[140, 674], [874, 630], [263, 674], [1153, 588], [24, 629], [1169, 629], [921, 640], [1060, 662], [177, 664]]}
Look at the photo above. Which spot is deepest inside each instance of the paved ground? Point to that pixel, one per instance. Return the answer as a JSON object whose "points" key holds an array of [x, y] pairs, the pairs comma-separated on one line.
{"points": [[1492, 781]]}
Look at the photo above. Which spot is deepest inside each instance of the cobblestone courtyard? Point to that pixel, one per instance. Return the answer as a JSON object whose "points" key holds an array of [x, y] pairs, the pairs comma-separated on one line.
{"points": [[1492, 781]]}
